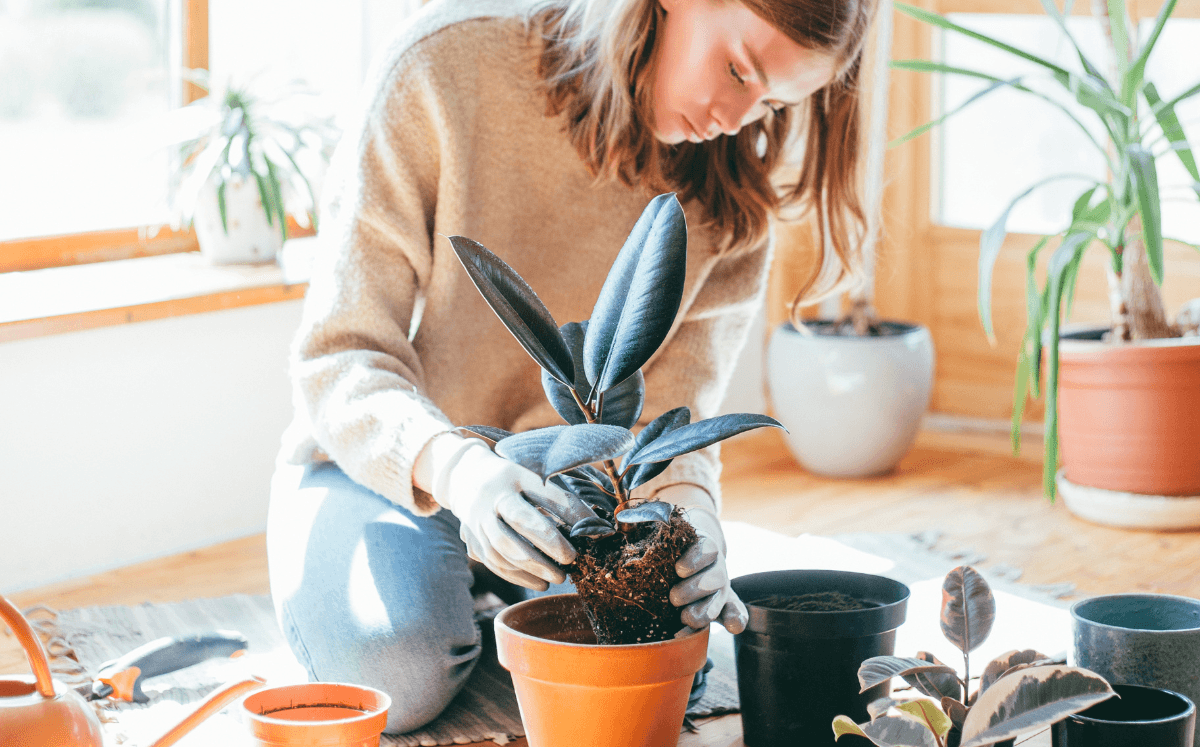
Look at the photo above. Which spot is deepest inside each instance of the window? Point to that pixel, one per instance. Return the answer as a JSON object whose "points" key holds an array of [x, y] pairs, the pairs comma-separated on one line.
{"points": [[88, 82]]}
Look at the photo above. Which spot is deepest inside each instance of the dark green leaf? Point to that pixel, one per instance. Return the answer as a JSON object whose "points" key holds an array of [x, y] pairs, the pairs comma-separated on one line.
{"points": [[644, 473], [529, 449], [879, 669], [562, 399], [275, 191], [694, 436], [487, 431], [264, 198], [640, 296], [590, 491], [577, 445], [592, 527], [622, 405], [1145, 177], [968, 608], [1030, 700], [643, 512], [935, 684], [518, 307]]}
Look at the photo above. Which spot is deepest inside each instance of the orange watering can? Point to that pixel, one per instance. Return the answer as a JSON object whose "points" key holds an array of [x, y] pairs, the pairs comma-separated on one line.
{"points": [[36, 711]]}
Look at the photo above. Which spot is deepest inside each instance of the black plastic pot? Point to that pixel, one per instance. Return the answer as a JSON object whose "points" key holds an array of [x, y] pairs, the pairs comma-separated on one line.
{"points": [[1138, 717], [797, 670]]}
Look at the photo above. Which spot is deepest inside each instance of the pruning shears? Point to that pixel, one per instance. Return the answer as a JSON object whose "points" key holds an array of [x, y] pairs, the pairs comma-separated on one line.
{"points": [[121, 678]]}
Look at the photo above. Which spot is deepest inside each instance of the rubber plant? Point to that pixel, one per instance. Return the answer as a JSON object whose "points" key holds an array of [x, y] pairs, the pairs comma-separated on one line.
{"points": [[1121, 213], [1018, 691], [591, 373]]}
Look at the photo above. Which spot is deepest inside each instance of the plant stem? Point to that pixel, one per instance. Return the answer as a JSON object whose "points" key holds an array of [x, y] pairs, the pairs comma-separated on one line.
{"points": [[610, 467]]}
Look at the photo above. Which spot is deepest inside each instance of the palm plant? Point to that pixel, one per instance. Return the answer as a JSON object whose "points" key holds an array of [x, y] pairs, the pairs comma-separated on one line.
{"points": [[591, 375], [1121, 213]]}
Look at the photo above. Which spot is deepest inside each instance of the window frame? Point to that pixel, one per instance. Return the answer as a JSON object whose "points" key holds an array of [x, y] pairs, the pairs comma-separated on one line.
{"points": [[926, 271]]}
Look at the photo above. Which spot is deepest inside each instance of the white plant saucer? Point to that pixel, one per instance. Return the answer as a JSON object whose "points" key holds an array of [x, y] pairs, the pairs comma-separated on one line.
{"points": [[1130, 510]]}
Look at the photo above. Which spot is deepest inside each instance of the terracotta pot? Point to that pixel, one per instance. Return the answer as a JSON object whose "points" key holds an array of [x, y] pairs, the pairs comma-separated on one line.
{"points": [[574, 692], [1129, 414], [318, 714]]}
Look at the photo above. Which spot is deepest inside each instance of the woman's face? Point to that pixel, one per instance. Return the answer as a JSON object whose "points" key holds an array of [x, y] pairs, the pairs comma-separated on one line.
{"points": [[720, 67]]}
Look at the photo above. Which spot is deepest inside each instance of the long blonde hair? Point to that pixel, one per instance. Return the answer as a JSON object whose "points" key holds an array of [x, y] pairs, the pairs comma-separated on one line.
{"points": [[597, 67]]}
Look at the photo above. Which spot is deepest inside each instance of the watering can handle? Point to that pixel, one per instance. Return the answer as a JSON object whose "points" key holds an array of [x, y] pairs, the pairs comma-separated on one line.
{"points": [[35, 652]]}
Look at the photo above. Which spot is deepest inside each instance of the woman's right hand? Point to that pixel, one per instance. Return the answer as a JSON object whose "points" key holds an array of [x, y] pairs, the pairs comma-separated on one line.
{"points": [[497, 503]]}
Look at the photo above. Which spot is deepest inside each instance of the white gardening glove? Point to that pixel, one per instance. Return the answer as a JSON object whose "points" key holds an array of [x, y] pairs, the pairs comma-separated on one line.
{"points": [[496, 502], [704, 593]]}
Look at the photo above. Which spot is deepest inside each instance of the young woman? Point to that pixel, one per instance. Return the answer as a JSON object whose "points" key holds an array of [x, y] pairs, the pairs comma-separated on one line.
{"points": [[540, 128]]}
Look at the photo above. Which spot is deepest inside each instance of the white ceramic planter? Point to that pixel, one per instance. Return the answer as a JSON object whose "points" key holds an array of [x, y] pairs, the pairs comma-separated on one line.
{"points": [[250, 238], [852, 405]]}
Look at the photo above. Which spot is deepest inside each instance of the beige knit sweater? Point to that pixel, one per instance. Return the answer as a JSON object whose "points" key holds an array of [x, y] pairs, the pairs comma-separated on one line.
{"points": [[396, 344]]}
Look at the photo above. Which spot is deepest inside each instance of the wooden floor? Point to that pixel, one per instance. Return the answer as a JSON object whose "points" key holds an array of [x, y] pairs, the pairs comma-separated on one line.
{"points": [[967, 486]]}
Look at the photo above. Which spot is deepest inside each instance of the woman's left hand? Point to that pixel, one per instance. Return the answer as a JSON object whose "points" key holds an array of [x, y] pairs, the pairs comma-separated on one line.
{"points": [[704, 593]]}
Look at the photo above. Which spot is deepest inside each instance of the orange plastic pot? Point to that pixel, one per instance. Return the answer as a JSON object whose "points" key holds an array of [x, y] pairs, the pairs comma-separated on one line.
{"points": [[1129, 415], [318, 714], [574, 692]]}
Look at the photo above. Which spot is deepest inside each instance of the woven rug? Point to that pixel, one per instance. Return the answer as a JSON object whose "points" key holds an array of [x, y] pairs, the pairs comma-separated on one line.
{"points": [[82, 639]]}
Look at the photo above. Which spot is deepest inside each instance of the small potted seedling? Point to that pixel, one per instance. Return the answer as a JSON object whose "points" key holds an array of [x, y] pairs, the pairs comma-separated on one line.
{"points": [[614, 650], [1018, 691]]}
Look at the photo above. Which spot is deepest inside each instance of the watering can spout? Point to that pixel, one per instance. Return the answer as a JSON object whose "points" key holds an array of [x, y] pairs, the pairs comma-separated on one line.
{"points": [[217, 700]]}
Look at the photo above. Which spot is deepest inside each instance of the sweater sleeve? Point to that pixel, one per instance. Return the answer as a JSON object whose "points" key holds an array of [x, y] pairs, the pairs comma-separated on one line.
{"points": [[358, 384], [695, 365]]}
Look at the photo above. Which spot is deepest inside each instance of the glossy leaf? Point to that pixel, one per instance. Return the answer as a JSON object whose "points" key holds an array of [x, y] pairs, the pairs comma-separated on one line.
{"points": [[956, 711], [1145, 183], [879, 707], [935, 684], [1029, 700], [968, 608], [1003, 663], [517, 306], [590, 491], [880, 669], [694, 436], [926, 713], [559, 394], [664, 423], [622, 405], [593, 527], [529, 449], [648, 511], [887, 731], [577, 445], [640, 296], [487, 431]]}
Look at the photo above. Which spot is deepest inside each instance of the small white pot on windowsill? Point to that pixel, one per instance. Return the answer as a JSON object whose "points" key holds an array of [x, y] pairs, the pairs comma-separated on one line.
{"points": [[250, 239]]}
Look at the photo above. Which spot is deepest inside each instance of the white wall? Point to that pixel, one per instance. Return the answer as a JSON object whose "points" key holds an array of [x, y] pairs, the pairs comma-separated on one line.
{"points": [[132, 442], [128, 443]]}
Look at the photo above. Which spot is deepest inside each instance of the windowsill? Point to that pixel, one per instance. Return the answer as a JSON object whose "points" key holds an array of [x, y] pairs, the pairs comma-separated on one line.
{"points": [[67, 299]]}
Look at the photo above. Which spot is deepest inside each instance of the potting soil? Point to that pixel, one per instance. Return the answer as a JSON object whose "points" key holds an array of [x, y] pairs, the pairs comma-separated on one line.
{"points": [[625, 581], [819, 601]]}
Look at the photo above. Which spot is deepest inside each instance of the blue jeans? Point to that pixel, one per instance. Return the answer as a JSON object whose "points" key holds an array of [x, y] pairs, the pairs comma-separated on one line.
{"points": [[366, 592]]}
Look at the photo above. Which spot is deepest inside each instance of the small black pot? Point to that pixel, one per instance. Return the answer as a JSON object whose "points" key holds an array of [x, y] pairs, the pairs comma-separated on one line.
{"points": [[1138, 717], [798, 670]]}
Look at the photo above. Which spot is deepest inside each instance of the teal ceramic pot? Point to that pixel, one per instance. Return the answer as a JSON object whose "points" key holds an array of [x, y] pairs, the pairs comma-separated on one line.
{"points": [[1141, 639]]}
